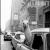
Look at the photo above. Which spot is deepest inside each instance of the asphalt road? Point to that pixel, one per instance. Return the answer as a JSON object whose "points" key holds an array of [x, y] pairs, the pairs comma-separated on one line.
{"points": [[5, 45]]}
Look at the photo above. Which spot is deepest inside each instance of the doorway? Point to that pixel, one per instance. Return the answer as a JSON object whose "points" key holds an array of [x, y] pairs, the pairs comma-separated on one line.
{"points": [[47, 19], [48, 41], [37, 42]]}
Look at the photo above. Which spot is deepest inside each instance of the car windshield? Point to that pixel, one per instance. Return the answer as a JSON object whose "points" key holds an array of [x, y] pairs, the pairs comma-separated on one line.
{"points": [[17, 36]]}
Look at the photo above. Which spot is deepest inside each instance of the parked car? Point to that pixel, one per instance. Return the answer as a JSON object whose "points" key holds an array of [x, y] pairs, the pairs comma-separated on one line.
{"points": [[19, 37], [7, 36]]}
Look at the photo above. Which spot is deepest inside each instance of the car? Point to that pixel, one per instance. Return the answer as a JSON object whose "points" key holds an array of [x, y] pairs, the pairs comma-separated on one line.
{"points": [[19, 37], [7, 37], [18, 42], [42, 32]]}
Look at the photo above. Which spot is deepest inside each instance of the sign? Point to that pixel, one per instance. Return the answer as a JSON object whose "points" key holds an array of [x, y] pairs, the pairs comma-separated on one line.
{"points": [[33, 22]]}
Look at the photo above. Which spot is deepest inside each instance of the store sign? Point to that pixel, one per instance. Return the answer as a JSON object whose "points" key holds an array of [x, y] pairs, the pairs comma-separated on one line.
{"points": [[40, 3], [33, 22]]}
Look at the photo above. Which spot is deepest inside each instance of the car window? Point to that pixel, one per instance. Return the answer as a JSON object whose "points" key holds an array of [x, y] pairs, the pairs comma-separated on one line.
{"points": [[17, 36]]}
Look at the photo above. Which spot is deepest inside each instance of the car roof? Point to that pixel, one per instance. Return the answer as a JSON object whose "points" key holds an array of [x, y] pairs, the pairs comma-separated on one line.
{"points": [[18, 32], [41, 30]]}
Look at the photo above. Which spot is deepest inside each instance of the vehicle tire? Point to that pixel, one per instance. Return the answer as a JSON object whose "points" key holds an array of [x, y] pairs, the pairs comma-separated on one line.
{"points": [[13, 48]]}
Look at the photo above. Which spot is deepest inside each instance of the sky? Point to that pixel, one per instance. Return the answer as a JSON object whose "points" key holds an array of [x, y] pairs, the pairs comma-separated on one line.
{"points": [[5, 12]]}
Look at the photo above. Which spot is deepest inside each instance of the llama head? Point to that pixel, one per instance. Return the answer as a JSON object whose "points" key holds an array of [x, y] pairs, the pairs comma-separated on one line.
{"points": [[25, 22]]}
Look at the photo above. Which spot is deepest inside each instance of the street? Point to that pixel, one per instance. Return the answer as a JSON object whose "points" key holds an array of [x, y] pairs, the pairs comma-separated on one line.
{"points": [[5, 45]]}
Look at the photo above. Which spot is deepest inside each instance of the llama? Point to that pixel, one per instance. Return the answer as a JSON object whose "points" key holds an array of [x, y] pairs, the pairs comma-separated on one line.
{"points": [[27, 31]]}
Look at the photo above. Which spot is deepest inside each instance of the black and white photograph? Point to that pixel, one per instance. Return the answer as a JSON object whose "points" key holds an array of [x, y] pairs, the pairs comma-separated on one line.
{"points": [[25, 25]]}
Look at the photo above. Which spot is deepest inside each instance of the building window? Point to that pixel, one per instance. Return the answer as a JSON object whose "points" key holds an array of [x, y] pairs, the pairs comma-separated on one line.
{"points": [[47, 19], [32, 13]]}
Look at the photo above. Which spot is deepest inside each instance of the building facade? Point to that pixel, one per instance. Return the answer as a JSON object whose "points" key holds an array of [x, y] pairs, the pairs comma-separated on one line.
{"points": [[34, 10]]}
